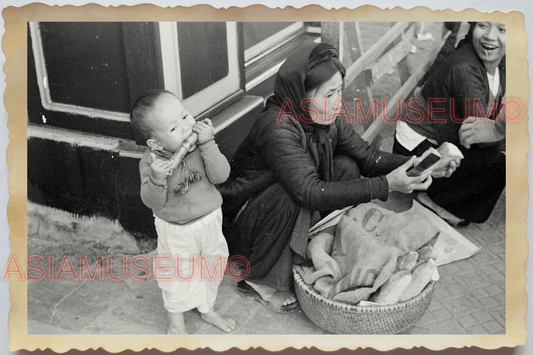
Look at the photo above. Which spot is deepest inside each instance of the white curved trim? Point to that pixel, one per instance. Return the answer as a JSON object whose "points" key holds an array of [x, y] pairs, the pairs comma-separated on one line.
{"points": [[273, 41], [214, 93], [44, 90]]}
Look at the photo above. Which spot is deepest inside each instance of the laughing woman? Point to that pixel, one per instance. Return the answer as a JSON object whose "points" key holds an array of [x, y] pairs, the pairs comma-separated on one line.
{"points": [[290, 169], [471, 83]]}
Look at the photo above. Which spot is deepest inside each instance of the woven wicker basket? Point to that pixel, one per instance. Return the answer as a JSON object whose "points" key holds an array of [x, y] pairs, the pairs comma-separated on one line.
{"points": [[343, 318]]}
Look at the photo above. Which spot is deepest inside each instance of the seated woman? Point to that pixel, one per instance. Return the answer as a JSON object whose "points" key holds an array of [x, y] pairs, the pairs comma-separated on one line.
{"points": [[470, 84], [297, 163]]}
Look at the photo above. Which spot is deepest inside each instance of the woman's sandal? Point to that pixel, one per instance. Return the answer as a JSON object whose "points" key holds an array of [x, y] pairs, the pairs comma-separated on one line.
{"points": [[275, 303], [441, 212]]}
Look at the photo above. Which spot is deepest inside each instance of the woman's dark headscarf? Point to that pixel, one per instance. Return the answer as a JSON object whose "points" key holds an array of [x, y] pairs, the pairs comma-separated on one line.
{"points": [[290, 84], [290, 80]]}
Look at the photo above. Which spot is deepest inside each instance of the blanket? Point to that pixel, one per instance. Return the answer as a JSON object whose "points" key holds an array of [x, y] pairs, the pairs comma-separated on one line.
{"points": [[367, 241]]}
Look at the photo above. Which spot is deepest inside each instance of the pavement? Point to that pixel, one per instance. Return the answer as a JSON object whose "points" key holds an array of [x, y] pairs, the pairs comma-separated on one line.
{"points": [[469, 298]]}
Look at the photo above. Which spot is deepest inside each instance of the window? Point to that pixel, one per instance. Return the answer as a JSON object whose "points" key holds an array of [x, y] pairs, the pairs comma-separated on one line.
{"points": [[89, 74], [200, 62], [81, 68], [267, 44], [262, 37]]}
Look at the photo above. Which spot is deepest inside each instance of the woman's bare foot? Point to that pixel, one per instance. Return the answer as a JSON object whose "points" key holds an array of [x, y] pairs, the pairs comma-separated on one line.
{"points": [[267, 292], [177, 324], [224, 323], [424, 199]]}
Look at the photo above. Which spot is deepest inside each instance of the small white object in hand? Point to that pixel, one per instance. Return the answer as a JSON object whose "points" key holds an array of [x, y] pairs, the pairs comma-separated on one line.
{"points": [[425, 37], [452, 150]]}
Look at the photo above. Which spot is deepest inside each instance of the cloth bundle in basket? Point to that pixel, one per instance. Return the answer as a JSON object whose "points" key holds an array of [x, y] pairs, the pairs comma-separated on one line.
{"points": [[367, 243]]}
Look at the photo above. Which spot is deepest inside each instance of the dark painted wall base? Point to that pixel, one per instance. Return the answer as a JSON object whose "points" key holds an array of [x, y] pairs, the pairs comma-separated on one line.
{"points": [[94, 182]]}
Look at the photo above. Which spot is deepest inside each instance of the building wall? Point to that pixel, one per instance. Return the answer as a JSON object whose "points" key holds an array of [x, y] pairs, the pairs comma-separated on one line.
{"points": [[83, 78]]}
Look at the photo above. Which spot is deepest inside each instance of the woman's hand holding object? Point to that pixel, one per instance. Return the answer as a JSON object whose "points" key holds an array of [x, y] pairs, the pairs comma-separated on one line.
{"points": [[450, 160], [399, 181]]}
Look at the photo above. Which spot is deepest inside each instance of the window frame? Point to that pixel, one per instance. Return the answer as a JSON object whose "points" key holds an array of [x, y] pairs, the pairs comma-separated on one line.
{"points": [[267, 62], [139, 44], [44, 90], [169, 41], [270, 44]]}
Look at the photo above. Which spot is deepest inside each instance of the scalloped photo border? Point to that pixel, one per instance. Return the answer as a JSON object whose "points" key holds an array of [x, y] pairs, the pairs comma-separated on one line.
{"points": [[517, 189]]}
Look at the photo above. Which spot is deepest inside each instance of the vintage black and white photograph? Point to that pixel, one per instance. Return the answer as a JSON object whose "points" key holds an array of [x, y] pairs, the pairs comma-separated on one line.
{"points": [[266, 178]]}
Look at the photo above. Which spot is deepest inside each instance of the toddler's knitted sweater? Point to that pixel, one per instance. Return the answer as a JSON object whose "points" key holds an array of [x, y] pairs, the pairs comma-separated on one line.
{"points": [[202, 197]]}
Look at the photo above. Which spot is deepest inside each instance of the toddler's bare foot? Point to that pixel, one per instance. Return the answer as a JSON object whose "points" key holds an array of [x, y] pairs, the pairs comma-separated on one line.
{"points": [[212, 317], [177, 324], [176, 331]]}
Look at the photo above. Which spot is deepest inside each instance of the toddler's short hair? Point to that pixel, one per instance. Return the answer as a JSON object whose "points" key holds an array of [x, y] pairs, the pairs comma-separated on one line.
{"points": [[142, 112]]}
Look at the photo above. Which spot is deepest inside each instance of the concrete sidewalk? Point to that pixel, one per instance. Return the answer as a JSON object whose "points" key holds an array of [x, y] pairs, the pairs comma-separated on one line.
{"points": [[469, 297]]}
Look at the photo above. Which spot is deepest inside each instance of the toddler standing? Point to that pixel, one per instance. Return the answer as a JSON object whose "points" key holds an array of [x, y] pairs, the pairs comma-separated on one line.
{"points": [[186, 205]]}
